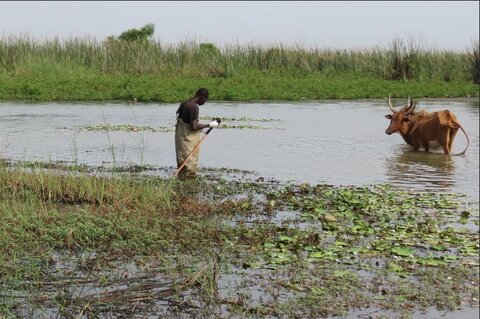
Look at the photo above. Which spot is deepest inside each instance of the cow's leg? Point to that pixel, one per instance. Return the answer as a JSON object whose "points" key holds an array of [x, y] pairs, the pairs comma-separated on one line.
{"points": [[453, 133], [446, 151], [426, 146], [415, 145], [445, 143]]}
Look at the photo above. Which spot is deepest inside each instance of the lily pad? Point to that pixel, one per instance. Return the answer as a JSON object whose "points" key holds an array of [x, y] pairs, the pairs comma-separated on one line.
{"points": [[403, 251]]}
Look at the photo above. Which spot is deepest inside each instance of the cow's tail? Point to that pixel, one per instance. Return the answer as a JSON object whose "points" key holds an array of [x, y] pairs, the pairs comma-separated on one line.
{"points": [[468, 141]]}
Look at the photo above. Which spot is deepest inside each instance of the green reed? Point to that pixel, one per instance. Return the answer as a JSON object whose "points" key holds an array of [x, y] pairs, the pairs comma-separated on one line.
{"points": [[400, 59]]}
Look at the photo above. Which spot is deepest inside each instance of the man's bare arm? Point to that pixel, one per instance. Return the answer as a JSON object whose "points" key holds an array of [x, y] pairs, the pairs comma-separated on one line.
{"points": [[194, 125]]}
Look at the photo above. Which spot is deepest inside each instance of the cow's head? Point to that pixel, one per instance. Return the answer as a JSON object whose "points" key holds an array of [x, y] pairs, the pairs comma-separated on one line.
{"points": [[399, 119]]}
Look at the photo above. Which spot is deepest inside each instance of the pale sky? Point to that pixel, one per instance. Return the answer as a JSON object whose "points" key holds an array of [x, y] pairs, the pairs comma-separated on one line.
{"points": [[323, 24]]}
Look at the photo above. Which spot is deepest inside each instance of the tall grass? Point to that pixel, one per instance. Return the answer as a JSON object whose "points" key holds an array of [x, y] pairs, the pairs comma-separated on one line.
{"points": [[79, 189], [399, 60], [474, 62], [44, 209]]}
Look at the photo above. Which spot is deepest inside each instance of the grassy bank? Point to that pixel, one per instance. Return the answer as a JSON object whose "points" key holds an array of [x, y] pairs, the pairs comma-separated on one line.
{"points": [[85, 69], [98, 245]]}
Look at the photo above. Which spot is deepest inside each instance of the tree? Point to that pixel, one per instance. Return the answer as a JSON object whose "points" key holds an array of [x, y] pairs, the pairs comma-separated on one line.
{"points": [[142, 34]]}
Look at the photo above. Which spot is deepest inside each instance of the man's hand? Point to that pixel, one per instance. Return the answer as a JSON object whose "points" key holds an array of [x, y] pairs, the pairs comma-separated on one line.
{"points": [[213, 124]]}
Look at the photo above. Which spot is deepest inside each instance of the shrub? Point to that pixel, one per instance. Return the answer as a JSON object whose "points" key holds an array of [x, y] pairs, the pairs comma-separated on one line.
{"points": [[142, 34]]}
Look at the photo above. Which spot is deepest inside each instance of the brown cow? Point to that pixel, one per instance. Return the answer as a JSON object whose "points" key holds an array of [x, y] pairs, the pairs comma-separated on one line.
{"points": [[424, 129]]}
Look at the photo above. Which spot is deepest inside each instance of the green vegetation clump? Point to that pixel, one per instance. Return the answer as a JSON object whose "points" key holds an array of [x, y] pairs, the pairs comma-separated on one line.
{"points": [[141, 34], [126, 127], [227, 123], [136, 66], [209, 48]]}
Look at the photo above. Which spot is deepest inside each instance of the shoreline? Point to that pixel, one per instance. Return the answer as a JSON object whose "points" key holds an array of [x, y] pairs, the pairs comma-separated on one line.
{"points": [[437, 99]]}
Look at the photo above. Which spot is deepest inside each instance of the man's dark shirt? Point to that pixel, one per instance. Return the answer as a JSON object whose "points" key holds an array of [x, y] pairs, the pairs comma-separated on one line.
{"points": [[188, 112]]}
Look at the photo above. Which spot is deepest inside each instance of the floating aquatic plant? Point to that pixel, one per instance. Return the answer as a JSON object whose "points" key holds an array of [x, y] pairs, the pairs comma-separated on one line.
{"points": [[126, 127]]}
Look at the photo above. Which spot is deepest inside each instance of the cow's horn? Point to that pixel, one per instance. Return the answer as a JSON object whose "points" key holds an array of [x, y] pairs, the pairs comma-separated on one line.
{"points": [[390, 103], [412, 107], [410, 110]]}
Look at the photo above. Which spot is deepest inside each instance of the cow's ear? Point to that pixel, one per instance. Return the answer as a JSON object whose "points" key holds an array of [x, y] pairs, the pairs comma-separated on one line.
{"points": [[405, 119], [388, 116]]}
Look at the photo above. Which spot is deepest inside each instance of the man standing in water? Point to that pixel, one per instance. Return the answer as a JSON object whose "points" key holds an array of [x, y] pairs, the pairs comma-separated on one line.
{"points": [[187, 132]]}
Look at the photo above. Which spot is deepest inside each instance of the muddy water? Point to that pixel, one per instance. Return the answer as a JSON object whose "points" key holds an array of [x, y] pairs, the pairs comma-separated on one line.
{"points": [[334, 142]]}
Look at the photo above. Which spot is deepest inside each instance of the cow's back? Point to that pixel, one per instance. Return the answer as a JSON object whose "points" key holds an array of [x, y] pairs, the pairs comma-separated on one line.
{"points": [[435, 120]]}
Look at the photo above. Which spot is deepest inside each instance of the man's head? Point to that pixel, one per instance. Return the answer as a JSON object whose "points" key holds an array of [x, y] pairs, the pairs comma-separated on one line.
{"points": [[201, 96]]}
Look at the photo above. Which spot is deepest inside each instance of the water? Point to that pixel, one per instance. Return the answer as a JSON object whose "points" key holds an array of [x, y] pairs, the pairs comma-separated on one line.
{"points": [[333, 142]]}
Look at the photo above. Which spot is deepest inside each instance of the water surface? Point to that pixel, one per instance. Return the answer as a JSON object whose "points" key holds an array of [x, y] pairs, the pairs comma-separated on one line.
{"points": [[334, 142]]}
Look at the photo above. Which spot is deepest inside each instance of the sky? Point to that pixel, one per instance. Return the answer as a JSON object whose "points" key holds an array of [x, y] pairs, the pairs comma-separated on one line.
{"points": [[452, 25]]}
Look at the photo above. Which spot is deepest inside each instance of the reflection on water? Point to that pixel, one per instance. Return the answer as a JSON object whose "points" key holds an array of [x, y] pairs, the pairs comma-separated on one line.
{"points": [[421, 170]]}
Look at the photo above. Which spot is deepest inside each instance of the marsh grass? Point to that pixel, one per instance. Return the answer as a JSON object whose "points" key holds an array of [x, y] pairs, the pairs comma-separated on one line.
{"points": [[72, 210], [85, 69], [50, 210], [79, 189], [474, 62], [400, 59]]}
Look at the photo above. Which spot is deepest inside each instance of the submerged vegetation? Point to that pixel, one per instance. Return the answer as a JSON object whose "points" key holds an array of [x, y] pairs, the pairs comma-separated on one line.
{"points": [[125, 69], [227, 123], [127, 128], [98, 244]]}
